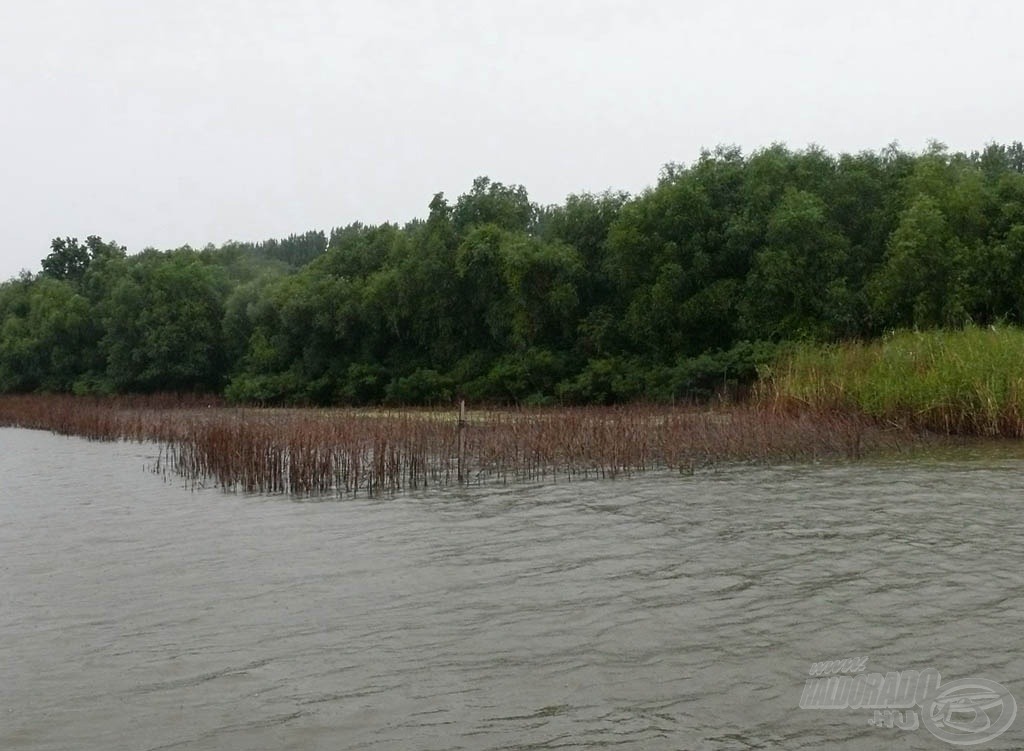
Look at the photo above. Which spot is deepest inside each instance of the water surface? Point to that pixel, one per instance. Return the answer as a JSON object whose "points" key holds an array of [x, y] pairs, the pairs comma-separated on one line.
{"points": [[661, 612]]}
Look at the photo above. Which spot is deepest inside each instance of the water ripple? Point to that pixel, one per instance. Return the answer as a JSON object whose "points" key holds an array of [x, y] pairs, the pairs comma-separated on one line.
{"points": [[662, 612]]}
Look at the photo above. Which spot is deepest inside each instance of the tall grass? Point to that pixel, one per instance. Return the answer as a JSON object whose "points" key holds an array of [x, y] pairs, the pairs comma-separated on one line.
{"points": [[968, 382], [346, 451]]}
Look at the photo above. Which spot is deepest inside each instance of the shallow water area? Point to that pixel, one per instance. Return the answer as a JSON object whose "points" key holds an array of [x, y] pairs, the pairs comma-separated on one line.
{"points": [[656, 612]]}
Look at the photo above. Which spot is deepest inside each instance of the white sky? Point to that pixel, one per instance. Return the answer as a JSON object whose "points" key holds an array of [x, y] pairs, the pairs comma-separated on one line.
{"points": [[167, 122]]}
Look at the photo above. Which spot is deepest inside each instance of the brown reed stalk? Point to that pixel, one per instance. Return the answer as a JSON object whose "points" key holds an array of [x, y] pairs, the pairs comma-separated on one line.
{"points": [[312, 452]]}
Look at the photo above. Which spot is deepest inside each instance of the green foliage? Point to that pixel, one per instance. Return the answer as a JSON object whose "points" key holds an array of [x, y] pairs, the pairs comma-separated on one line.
{"points": [[712, 373], [275, 389], [68, 260], [966, 381], [678, 293], [916, 285], [423, 386], [363, 383], [48, 336], [528, 377], [293, 251], [607, 380], [506, 206], [162, 324], [796, 288]]}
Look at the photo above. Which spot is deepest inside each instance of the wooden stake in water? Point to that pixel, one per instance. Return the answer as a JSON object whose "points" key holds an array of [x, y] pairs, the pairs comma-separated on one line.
{"points": [[462, 439]]}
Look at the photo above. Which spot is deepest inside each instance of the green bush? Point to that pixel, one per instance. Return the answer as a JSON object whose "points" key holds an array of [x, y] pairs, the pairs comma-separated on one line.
{"points": [[276, 388], [423, 386], [518, 378]]}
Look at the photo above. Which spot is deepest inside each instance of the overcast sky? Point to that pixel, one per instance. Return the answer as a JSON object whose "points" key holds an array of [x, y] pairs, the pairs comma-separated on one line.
{"points": [[167, 122]]}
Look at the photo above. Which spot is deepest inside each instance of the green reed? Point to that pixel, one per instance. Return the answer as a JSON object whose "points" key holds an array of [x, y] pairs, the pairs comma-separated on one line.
{"points": [[969, 381]]}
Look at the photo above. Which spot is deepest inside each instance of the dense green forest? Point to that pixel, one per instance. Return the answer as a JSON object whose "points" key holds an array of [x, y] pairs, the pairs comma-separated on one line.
{"points": [[670, 294]]}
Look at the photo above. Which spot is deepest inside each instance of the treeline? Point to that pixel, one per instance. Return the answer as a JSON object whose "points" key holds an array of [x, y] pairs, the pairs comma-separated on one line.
{"points": [[671, 294]]}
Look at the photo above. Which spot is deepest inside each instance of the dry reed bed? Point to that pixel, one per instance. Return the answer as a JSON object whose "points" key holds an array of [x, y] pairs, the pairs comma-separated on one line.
{"points": [[307, 452]]}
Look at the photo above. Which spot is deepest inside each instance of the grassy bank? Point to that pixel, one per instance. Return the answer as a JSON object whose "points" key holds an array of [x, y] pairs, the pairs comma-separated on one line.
{"points": [[967, 382], [306, 451]]}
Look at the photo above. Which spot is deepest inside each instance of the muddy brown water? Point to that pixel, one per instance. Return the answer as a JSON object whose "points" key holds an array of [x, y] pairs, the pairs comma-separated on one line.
{"points": [[659, 612]]}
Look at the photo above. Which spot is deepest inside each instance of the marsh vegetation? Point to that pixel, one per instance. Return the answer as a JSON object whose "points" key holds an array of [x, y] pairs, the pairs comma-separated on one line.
{"points": [[966, 382], [308, 451]]}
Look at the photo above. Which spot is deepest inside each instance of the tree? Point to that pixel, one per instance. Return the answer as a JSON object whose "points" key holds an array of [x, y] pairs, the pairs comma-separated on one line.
{"points": [[69, 260], [507, 206], [916, 284], [796, 288], [162, 324], [48, 336]]}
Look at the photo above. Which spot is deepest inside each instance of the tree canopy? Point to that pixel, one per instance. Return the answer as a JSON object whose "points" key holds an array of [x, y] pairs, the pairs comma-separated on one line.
{"points": [[670, 294]]}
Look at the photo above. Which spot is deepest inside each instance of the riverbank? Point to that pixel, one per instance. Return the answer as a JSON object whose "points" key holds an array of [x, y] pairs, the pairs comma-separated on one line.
{"points": [[313, 451]]}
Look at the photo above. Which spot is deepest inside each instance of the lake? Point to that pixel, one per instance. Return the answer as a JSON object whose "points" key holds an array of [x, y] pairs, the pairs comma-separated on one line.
{"points": [[658, 612]]}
